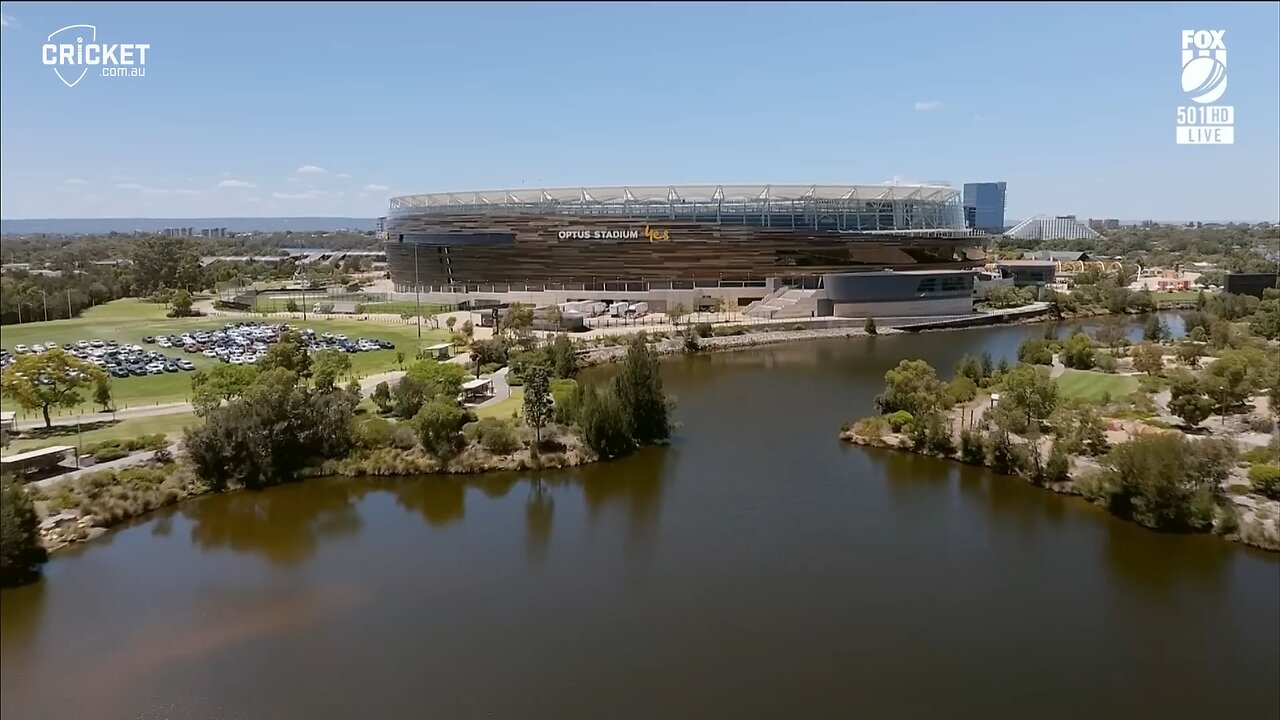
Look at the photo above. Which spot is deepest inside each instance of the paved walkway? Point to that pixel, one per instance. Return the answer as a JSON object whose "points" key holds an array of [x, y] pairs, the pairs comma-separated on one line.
{"points": [[138, 458], [501, 390], [1058, 367]]}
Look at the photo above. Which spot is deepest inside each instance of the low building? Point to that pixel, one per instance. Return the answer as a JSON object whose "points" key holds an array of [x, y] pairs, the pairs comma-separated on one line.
{"points": [[1029, 273], [34, 461], [439, 351], [478, 390], [892, 293]]}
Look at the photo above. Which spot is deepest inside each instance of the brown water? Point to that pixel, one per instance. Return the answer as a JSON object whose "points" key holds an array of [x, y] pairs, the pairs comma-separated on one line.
{"points": [[754, 568]]}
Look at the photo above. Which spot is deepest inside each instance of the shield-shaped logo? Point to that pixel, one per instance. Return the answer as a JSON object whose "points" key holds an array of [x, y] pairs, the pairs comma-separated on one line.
{"points": [[77, 34]]}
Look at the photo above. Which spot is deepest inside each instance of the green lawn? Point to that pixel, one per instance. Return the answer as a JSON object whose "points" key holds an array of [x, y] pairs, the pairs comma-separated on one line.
{"points": [[503, 409], [171, 424], [1091, 386], [405, 307], [1178, 296], [130, 320]]}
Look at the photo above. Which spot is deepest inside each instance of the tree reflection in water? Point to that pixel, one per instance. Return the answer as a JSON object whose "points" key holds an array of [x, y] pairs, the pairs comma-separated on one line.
{"points": [[539, 512], [283, 524]]}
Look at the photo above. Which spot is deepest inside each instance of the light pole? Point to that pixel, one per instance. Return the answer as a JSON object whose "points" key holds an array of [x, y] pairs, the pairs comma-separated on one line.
{"points": [[45, 299], [68, 303]]}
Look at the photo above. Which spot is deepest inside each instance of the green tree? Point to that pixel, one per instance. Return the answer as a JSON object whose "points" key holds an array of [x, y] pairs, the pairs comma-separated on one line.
{"points": [[1187, 400], [1228, 380], [869, 327], [1154, 330], [1161, 482], [439, 426], [291, 305], [638, 388], [160, 262], [970, 367], [564, 359], [52, 379], [604, 423], [1188, 353], [180, 303], [1077, 352], [1266, 319], [400, 357], [450, 322], [289, 353], [1198, 335], [21, 553], [438, 378], [519, 317], [1028, 393], [537, 402], [253, 443], [1148, 358], [382, 397], [912, 386], [102, 392], [1036, 351], [327, 366], [209, 388]]}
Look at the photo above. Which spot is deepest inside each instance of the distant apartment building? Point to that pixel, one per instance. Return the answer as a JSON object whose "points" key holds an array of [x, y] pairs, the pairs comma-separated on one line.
{"points": [[984, 205], [380, 228], [178, 232], [1099, 225], [213, 232]]}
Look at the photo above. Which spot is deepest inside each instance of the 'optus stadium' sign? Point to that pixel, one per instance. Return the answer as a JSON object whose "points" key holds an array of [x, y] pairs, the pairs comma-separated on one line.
{"points": [[653, 235]]}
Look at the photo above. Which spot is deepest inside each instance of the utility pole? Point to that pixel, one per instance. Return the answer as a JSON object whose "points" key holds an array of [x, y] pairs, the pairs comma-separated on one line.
{"points": [[45, 299], [68, 303]]}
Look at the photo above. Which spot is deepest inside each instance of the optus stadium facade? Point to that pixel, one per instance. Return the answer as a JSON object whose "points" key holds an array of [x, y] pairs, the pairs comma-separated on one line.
{"points": [[656, 238]]}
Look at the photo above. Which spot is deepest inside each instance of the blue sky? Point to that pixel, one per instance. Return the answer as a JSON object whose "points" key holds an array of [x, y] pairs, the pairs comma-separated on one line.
{"points": [[328, 109]]}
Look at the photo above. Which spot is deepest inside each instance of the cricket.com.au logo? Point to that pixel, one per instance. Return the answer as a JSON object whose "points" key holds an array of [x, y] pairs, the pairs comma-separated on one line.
{"points": [[1204, 80], [74, 50]]}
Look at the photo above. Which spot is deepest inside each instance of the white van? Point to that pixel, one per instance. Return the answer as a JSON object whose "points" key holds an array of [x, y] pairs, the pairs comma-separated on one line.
{"points": [[619, 309], [640, 309]]}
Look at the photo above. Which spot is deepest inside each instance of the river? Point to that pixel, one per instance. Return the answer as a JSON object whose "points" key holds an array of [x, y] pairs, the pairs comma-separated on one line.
{"points": [[756, 567]]}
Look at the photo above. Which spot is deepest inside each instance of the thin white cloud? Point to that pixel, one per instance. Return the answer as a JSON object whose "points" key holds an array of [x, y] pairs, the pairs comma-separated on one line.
{"points": [[77, 181], [310, 170], [308, 195], [343, 176], [374, 188], [928, 105], [362, 195], [129, 186], [120, 178], [7, 20], [236, 185], [163, 192]]}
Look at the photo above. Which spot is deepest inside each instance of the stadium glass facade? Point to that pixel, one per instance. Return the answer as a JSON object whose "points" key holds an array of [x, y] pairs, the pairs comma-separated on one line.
{"points": [[672, 237]]}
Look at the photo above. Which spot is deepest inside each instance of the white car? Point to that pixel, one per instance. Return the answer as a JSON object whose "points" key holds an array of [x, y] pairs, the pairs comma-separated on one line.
{"points": [[21, 349], [82, 344], [164, 343], [97, 343], [37, 348]]}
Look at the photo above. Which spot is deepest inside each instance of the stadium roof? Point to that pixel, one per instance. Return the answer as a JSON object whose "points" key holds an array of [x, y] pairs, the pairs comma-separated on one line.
{"points": [[666, 194]]}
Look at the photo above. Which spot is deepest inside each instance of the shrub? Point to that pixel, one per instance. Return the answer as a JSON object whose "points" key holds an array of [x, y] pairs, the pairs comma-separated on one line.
{"points": [[972, 450], [107, 454], [871, 427], [728, 330], [1265, 479], [961, 390], [438, 425], [497, 436], [1105, 362], [605, 427], [1001, 454], [1057, 467], [703, 330], [1165, 481], [1269, 453], [900, 419], [1226, 520]]}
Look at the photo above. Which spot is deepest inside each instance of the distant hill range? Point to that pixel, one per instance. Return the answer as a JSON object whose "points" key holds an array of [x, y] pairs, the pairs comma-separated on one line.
{"points": [[99, 226]]}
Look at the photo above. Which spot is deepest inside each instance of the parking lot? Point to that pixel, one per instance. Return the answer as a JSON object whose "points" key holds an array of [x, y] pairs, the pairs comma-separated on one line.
{"points": [[127, 322], [242, 343]]}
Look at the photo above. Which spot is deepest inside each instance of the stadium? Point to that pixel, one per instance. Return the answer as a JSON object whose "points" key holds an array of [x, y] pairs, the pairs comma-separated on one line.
{"points": [[897, 244]]}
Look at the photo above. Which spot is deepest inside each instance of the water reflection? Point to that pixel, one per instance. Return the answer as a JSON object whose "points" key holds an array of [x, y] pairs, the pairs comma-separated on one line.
{"points": [[282, 524], [440, 500], [539, 512]]}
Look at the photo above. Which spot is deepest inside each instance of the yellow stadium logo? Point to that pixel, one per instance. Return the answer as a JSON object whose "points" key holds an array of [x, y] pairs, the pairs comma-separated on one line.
{"points": [[657, 236]]}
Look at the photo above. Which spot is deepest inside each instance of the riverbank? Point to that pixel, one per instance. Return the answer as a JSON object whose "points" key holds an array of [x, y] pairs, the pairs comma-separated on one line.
{"points": [[83, 508], [724, 343], [1254, 520]]}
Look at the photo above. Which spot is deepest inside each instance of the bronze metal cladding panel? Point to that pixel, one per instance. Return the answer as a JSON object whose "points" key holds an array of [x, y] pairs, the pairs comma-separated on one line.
{"points": [[465, 249]]}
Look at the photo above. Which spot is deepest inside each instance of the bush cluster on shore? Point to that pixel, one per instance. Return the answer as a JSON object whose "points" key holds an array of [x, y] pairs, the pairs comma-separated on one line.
{"points": [[1163, 481]]}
